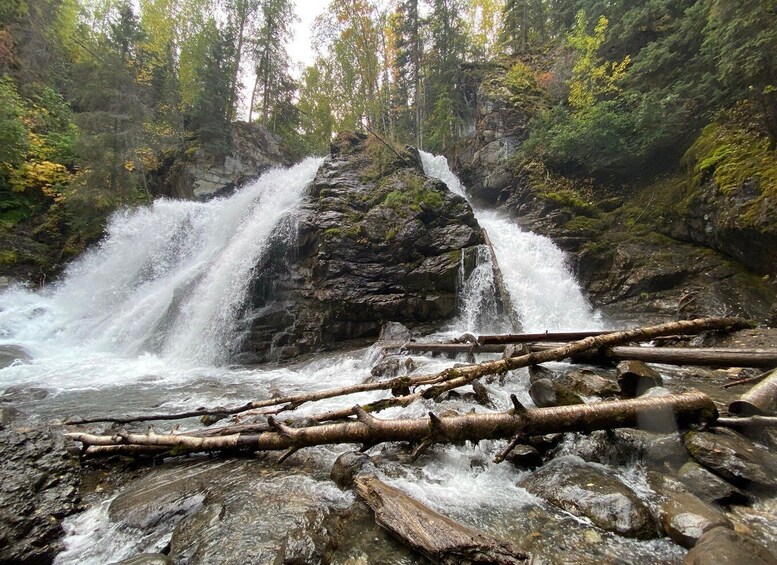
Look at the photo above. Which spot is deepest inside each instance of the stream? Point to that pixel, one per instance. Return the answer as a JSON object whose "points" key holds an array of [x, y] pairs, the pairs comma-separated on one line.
{"points": [[146, 321]]}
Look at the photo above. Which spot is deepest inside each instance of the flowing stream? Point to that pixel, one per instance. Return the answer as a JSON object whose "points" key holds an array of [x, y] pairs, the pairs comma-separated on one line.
{"points": [[146, 319]]}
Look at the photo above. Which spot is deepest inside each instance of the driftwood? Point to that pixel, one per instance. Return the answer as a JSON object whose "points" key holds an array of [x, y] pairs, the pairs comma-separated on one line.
{"points": [[504, 295], [449, 378], [659, 413], [761, 400], [437, 537]]}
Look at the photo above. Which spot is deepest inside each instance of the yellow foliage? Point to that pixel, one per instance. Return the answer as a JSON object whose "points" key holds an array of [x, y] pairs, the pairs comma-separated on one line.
{"points": [[45, 176]]}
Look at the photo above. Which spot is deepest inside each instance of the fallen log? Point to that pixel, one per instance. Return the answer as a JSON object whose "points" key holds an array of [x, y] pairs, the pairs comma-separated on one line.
{"points": [[761, 400], [749, 423], [439, 538], [659, 414], [538, 337]]}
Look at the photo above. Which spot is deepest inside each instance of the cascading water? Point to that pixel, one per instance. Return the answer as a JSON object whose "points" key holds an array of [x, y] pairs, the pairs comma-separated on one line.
{"points": [[168, 280], [543, 290]]}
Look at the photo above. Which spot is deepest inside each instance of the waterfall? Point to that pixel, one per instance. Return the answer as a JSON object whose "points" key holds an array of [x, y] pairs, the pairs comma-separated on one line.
{"points": [[168, 280], [541, 286]]}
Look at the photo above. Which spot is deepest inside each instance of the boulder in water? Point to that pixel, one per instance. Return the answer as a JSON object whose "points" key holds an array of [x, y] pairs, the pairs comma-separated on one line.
{"points": [[723, 545], [589, 490], [685, 518]]}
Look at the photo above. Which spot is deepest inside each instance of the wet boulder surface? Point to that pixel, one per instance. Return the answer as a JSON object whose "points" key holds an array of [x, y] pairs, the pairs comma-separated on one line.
{"points": [[589, 490], [39, 488]]}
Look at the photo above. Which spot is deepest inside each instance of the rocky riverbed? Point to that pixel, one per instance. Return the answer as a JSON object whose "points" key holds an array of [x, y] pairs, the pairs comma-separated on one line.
{"points": [[574, 498]]}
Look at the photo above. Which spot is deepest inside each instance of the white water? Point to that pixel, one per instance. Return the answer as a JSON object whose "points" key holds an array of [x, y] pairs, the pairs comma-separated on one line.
{"points": [[543, 290], [144, 319]]}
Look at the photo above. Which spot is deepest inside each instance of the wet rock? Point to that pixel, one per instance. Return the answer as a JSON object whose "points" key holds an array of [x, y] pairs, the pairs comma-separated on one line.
{"points": [[626, 446], [201, 175], [249, 511], [311, 543], [8, 414], [722, 545], [525, 457], [18, 394], [396, 332], [147, 559], [545, 392], [710, 487], [686, 517], [589, 490], [634, 378], [10, 354], [348, 466], [39, 484], [734, 458], [393, 366], [588, 383]]}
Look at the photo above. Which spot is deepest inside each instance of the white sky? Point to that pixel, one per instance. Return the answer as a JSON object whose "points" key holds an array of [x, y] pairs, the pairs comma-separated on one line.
{"points": [[300, 48]]}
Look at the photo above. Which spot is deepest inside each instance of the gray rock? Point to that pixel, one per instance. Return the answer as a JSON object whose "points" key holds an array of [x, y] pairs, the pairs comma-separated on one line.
{"points": [[545, 392], [348, 466], [634, 378], [589, 490], [147, 559], [393, 366], [524, 457], [588, 383], [394, 331], [686, 517], [12, 353], [734, 458], [8, 414], [19, 393], [710, 487], [39, 487], [720, 546]]}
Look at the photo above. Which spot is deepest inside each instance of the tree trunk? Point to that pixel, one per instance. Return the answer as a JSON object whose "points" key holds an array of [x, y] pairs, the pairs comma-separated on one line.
{"points": [[439, 538], [657, 414]]}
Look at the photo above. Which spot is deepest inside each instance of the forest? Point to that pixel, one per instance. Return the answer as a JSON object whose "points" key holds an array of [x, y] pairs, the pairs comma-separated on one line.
{"points": [[96, 94]]}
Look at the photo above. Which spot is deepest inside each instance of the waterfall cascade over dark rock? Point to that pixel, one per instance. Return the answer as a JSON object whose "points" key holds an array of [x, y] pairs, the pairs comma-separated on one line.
{"points": [[376, 241]]}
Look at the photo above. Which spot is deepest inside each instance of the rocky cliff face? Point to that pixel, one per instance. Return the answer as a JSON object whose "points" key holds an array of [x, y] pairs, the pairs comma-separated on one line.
{"points": [[376, 241], [199, 175], [679, 247]]}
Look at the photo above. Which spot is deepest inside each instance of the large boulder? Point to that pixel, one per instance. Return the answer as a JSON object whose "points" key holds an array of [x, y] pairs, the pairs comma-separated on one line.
{"points": [[589, 490], [734, 458], [377, 240], [39, 487]]}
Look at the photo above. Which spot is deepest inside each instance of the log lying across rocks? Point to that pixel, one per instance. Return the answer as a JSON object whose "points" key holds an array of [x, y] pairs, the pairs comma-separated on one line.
{"points": [[437, 537], [658, 413], [711, 357]]}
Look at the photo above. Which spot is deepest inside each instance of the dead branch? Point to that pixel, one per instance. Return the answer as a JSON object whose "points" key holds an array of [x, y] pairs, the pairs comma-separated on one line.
{"points": [[437, 537]]}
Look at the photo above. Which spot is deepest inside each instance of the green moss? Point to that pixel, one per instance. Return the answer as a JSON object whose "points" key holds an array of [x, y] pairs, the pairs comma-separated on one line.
{"points": [[731, 156], [8, 258], [412, 194], [588, 227], [333, 233], [571, 199]]}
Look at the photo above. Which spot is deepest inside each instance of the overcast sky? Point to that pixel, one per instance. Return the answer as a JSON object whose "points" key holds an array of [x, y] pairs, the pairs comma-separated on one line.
{"points": [[300, 49]]}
